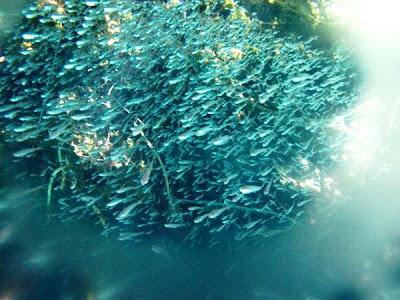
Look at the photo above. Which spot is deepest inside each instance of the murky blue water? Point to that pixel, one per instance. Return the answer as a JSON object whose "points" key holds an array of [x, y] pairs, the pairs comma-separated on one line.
{"points": [[344, 258]]}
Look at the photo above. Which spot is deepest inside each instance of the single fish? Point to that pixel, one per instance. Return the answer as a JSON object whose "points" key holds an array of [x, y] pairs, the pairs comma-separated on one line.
{"points": [[24, 128], [266, 171], [264, 98], [194, 208], [267, 188], [185, 135], [146, 175], [230, 177], [175, 81], [26, 152], [91, 3], [216, 212], [272, 88], [249, 189], [115, 202], [28, 135], [300, 204], [204, 90], [126, 211], [57, 17], [174, 225], [80, 117], [236, 198], [200, 218], [221, 140], [203, 131], [301, 77], [30, 36], [53, 134], [256, 152], [251, 224], [124, 189]]}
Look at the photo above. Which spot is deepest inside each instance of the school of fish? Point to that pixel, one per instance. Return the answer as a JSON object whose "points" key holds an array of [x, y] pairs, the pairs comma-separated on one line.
{"points": [[172, 118]]}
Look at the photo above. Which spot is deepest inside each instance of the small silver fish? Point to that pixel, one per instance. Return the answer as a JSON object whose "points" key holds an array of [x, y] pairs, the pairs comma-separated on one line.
{"points": [[251, 224], [256, 152], [266, 171], [267, 188], [200, 218], [91, 3], [300, 204], [185, 135], [221, 140], [24, 128], [26, 152], [28, 135], [203, 131], [126, 211], [248, 189], [124, 189], [194, 207], [204, 90], [230, 177], [216, 212], [30, 36], [146, 175], [174, 225], [79, 117], [53, 134], [114, 203], [301, 77], [236, 198]]}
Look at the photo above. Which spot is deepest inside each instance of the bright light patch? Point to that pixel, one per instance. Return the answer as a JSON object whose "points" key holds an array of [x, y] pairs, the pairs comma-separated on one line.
{"points": [[304, 162], [373, 134], [339, 124], [364, 133], [368, 16]]}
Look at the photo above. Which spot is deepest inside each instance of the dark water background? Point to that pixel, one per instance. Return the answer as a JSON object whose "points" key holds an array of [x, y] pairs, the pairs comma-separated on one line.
{"points": [[352, 254]]}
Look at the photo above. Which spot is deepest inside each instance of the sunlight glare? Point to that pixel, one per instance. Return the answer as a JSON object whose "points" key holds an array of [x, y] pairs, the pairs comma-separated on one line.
{"points": [[368, 17]]}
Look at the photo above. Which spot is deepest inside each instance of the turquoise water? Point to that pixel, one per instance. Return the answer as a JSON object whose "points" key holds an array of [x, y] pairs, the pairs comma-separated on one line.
{"points": [[41, 259], [165, 152]]}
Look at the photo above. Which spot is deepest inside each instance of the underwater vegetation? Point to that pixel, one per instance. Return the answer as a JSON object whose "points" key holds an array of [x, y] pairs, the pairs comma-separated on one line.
{"points": [[173, 118], [302, 17]]}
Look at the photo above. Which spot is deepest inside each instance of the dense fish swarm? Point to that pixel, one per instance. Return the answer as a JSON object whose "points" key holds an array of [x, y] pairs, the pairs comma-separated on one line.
{"points": [[173, 117]]}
